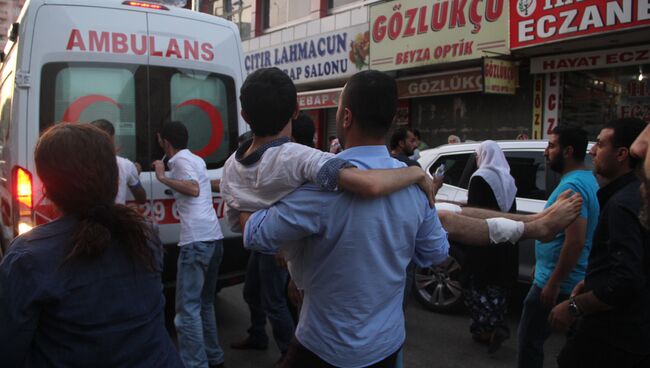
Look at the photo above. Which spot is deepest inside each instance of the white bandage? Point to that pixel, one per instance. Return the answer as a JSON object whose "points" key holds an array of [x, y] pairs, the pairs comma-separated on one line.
{"points": [[504, 230], [448, 207]]}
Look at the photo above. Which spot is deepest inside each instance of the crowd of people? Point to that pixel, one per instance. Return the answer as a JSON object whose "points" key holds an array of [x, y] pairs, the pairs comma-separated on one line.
{"points": [[333, 235]]}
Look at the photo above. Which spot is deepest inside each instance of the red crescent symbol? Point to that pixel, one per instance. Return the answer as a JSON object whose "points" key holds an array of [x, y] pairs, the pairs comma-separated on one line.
{"points": [[215, 120], [73, 112]]}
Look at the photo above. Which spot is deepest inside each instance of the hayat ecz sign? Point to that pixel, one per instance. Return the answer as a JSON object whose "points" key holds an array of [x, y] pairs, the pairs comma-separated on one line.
{"points": [[331, 55], [591, 60], [411, 33], [535, 22]]}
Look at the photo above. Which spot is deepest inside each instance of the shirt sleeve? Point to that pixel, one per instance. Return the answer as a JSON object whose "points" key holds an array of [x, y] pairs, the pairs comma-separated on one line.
{"points": [[18, 309], [318, 167], [295, 217], [584, 210], [431, 244], [182, 170], [626, 247], [132, 178]]}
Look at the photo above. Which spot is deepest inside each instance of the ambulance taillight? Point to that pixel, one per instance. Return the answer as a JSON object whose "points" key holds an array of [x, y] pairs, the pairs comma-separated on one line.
{"points": [[23, 200]]}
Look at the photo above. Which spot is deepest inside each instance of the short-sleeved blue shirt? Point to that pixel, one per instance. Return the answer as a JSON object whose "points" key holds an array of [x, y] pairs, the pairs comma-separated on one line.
{"points": [[548, 254]]}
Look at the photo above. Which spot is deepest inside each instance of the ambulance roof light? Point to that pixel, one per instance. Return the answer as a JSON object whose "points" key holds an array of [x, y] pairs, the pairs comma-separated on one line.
{"points": [[146, 5]]}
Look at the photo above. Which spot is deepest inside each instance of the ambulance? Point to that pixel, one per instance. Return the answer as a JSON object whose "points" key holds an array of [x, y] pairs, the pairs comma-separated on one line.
{"points": [[137, 64]]}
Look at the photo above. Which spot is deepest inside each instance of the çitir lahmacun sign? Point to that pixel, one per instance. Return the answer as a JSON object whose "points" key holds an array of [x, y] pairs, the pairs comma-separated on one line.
{"points": [[536, 22], [411, 33]]}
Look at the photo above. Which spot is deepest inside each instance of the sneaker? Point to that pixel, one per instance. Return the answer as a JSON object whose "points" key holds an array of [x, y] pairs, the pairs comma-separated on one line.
{"points": [[498, 337], [248, 344]]}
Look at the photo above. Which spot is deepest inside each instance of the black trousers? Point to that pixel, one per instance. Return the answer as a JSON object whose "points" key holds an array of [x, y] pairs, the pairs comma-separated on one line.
{"points": [[582, 351], [299, 356]]}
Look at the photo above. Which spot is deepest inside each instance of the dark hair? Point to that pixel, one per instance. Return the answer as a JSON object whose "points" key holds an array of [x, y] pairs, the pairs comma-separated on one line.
{"points": [[104, 125], [371, 96], [302, 130], [572, 136], [175, 133], [398, 135], [331, 138], [76, 163], [268, 97], [416, 133], [626, 130]]}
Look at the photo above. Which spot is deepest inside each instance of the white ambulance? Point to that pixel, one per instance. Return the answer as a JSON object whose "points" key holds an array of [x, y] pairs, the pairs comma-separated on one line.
{"points": [[136, 64]]}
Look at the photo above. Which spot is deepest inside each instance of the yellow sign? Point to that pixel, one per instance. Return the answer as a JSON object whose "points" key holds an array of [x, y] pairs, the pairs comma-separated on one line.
{"points": [[411, 33], [500, 76]]}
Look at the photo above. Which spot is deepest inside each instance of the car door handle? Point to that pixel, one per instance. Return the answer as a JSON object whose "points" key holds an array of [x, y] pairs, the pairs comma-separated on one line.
{"points": [[169, 192]]}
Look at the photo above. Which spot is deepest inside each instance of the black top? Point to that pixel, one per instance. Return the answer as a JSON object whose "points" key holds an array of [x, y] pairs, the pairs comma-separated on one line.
{"points": [[103, 312], [406, 160], [497, 264], [619, 270]]}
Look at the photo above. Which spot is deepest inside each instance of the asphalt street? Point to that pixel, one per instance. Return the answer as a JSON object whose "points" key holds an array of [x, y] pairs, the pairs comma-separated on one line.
{"points": [[433, 340]]}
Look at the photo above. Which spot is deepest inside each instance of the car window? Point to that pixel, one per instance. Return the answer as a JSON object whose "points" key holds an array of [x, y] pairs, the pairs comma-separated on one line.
{"points": [[529, 171], [455, 167]]}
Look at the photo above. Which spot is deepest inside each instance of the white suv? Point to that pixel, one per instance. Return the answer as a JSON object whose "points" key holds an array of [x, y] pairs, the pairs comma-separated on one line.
{"points": [[439, 288]]}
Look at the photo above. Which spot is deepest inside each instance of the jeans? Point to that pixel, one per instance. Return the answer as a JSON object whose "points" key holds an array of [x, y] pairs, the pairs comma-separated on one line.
{"points": [[534, 329], [299, 356], [265, 294], [196, 284]]}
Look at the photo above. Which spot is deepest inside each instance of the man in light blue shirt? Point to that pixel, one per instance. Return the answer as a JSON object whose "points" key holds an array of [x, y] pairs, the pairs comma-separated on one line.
{"points": [[349, 254]]}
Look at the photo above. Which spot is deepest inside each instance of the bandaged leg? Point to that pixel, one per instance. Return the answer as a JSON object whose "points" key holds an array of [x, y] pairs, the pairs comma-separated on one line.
{"points": [[502, 230]]}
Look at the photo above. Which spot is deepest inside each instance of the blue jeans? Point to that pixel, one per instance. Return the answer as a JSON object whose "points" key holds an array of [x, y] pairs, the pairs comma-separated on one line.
{"points": [[196, 284], [534, 329], [265, 294]]}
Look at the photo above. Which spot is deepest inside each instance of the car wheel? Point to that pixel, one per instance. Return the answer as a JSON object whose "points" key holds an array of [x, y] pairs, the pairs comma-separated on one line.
{"points": [[439, 288]]}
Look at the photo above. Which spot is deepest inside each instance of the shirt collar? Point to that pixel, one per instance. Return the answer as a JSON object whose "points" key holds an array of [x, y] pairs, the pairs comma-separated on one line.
{"points": [[177, 155], [364, 151], [606, 192], [257, 154]]}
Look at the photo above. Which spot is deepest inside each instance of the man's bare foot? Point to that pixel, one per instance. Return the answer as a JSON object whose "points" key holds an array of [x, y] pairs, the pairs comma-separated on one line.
{"points": [[563, 196], [562, 213]]}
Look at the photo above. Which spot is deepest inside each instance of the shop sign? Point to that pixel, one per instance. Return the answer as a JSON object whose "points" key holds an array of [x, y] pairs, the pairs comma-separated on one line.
{"points": [[319, 99], [592, 60], [333, 55], [536, 22], [462, 81], [538, 101], [500, 76], [552, 98], [410, 33]]}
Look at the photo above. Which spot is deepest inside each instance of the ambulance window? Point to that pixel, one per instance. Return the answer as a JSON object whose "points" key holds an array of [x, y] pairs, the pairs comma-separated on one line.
{"points": [[204, 103], [85, 93]]}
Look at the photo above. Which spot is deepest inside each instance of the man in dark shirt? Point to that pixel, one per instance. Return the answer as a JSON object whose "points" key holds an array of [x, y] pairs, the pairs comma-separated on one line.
{"points": [[611, 307], [402, 145]]}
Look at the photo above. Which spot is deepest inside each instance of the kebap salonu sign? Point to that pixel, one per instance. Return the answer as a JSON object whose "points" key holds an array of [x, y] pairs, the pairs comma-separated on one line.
{"points": [[411, 33], [331, 55]]}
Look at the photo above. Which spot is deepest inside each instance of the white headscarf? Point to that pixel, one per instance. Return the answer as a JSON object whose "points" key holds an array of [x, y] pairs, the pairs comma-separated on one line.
{"points": [[494, 169]]}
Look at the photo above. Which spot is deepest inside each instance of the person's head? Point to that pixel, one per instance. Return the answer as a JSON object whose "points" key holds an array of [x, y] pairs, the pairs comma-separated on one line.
{"points": [[453, 139], [104, 125], [566, 149], [367, 106], [639, 149], [173, 137], [489, 153], [268, 101], [403, 141], [416, 133], [77, 166], [302, 130], [611, 152]]}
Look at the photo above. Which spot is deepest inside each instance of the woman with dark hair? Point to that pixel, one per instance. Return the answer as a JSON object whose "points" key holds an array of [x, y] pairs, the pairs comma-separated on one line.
{"points": [[84, 290]]}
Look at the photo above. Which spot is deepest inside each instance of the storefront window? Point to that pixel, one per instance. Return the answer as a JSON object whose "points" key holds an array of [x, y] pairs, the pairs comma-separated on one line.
{"points": [[278, 12], [474, 116], [591, 98], [239, 12]]}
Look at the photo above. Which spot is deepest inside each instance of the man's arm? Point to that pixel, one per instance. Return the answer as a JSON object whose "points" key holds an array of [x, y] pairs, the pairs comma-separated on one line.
{"points": [[431, 244], [295, 217], [480, 213], [138, 192], [215, 185], [574, 241], [187, 187]]}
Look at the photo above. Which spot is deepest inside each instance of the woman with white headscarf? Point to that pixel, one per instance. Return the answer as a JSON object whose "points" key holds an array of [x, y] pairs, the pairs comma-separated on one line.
{"points": [[491, 270]]}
